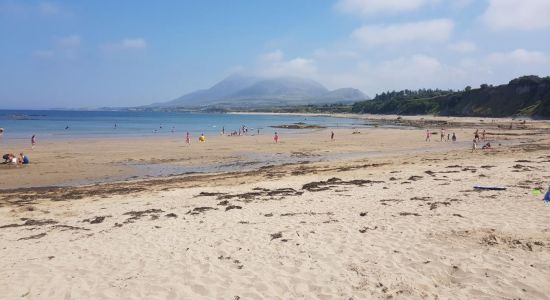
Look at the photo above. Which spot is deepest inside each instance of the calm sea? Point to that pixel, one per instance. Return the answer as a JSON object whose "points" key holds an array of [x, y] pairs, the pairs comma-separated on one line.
{"points": [[57, 124]]}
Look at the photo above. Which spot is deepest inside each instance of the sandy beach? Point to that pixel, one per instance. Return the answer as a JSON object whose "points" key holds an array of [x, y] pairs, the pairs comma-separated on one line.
{"points": [[376, 214]]}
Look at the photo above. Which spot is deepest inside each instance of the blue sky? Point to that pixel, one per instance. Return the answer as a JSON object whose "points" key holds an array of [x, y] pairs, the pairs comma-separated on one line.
{"points": [[85, 54]]}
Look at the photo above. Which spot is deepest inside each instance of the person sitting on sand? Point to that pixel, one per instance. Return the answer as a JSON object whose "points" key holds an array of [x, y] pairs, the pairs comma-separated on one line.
{"points": [[486, 146], [202, 138], [23, 159], [10, 159]]}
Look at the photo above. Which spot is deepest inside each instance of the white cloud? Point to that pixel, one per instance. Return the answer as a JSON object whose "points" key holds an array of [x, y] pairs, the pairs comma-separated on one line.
{"points": [[125, 44], [438, 30], [274, 64], [274, 56], [463, 47], [372, 7], [518, 14], [518, 56]]}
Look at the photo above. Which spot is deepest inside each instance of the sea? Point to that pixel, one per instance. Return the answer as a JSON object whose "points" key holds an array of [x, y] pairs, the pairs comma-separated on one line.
{"points": [[66, 124]]}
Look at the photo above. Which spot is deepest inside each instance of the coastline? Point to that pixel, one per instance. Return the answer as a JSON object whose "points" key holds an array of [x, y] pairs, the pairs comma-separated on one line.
{"points": [[94, 160], [406, 223]]}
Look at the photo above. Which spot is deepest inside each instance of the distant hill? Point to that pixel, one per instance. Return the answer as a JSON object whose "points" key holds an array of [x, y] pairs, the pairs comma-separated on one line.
{"points": [[241, 90], [524, 96]]}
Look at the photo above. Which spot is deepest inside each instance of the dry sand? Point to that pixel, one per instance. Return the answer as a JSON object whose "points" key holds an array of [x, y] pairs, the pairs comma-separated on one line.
{"points": [[384, 215]]}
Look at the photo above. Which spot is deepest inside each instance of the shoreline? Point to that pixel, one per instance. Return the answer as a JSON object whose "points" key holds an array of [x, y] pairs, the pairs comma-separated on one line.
{"points": [[87, 161]]}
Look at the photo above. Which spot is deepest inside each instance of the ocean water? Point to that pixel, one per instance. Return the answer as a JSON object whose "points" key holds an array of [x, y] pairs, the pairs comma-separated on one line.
{"points": [[57, 124]]}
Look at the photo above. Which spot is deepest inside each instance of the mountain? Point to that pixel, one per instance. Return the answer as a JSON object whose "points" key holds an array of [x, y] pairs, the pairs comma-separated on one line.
{"points": [[523, 96], [241, 90]]}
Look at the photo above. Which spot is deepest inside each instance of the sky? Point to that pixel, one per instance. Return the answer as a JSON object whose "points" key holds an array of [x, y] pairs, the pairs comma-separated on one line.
{"points": [[89, 54]]}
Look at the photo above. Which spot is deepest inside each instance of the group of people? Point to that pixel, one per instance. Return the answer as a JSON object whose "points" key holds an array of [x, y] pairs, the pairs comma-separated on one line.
{"points": [[22, 159], [443, 137], [478, 137], [11, 159], [477, 140]]}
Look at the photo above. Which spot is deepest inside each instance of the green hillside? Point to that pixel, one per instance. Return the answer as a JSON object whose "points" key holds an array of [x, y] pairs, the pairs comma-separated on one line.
{"points": [[525, 96]]}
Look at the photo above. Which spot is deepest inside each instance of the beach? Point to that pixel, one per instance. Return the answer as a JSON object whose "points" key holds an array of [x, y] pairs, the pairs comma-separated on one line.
{"points": [[376, 213]]}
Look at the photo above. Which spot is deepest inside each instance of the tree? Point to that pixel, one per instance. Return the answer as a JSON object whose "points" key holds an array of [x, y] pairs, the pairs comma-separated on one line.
{"points": [[468, 88]]}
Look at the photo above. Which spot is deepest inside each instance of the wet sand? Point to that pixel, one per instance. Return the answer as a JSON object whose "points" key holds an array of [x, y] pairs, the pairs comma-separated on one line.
{"points": [[382, 214]]}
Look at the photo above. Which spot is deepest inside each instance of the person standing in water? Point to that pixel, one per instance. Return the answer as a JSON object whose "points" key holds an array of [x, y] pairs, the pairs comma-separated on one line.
{"points": [[332, 136], [33, 141], [276, 138]]}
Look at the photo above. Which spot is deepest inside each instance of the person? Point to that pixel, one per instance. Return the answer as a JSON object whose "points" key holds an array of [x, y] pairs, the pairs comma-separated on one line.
{"points": [[454, 137], [276, 138], [33, 141], [486, 146], [483, 135], [7, 158], [12, 159], [23, 159], [66, 127], [442, 134], [332, 136], [476, 135], [188, 138], [448, 137], [547, 196], [428, 134], [258, 131], [202, 138], [474, 145], [223, 130]]}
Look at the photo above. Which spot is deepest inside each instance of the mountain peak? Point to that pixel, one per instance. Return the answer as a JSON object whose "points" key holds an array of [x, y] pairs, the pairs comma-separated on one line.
{"points": [[241, 89]]}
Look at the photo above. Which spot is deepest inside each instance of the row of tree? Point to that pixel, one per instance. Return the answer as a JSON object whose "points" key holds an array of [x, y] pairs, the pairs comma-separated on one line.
{"points": [[411, 94]]}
